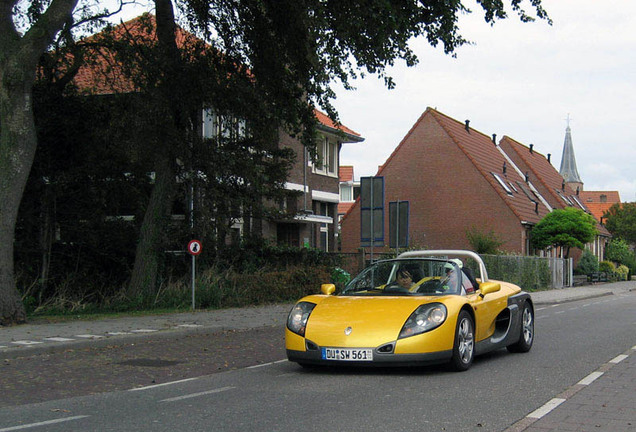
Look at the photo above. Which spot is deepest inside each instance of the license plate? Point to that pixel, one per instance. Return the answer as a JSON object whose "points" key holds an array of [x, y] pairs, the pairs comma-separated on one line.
{"points": [[347, 354]]}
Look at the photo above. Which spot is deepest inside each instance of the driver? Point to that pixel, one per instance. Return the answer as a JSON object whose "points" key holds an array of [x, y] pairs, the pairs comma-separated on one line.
{"points": [[407, 277]]}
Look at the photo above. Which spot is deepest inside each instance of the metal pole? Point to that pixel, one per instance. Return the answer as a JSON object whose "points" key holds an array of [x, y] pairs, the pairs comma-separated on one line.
{"points": [[397, 229], [372, 211], [193, 280]]}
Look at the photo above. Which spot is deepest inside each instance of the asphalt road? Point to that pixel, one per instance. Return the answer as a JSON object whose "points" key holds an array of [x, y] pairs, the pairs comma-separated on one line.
{"points": [[239, 380]]}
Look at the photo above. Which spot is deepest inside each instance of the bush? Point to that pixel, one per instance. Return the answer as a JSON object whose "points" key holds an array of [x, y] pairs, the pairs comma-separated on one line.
{"points": [[588, 264], [606, 266], [622, 271]]}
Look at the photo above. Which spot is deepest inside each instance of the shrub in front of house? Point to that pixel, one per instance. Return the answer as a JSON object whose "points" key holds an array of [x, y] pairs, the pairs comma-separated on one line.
{"points": [[588, 264]]}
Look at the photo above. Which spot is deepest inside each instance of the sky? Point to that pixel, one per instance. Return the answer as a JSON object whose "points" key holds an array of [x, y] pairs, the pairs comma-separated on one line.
{"points": [[521, 80]]}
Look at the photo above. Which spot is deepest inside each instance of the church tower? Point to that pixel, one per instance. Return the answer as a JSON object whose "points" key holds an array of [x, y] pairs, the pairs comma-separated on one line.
{"points": [[568, 163]]}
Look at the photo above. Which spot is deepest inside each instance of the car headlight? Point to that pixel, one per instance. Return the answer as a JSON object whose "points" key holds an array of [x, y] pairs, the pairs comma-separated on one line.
{"points": [[425, 318], [297, 319]]}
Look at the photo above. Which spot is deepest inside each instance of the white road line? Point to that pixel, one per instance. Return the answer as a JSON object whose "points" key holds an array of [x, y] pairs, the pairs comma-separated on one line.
{"points": [[545, 409], [590, 378], [193, 395], [162, 385], [117, 333], [190, 325], [26, 342], [618, 359], [89, 336], [58, 339], [3, 346], [44, 423], [143, 331], [559, 312], [634, 347], [539, 309]]}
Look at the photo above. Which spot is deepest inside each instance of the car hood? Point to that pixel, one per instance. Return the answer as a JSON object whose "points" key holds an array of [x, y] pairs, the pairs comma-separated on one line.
{"points": [[372, 320]]}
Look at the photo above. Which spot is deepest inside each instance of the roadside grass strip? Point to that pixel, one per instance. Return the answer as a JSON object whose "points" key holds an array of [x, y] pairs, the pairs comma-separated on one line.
{"points": [[43, 423], [193, 395]]}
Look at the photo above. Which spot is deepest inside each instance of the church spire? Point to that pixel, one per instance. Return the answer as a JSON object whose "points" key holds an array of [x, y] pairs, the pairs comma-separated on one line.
{"points": [[568, 162]]}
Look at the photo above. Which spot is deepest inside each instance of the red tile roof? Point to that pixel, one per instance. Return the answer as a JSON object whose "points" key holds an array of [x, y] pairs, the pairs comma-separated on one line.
{"points": [[346, 173], [592, 199], [105, 75]]}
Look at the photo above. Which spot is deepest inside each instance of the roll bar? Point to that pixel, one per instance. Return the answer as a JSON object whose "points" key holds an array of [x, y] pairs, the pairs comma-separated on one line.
{"points": [[450, 253]]}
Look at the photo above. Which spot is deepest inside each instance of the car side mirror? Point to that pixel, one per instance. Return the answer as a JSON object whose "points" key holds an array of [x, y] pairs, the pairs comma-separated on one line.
{"points": [[488, 288], [327, 289]]}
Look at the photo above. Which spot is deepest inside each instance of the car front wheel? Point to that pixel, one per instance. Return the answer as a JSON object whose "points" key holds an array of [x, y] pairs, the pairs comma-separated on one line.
{"points": [[464, 347]]}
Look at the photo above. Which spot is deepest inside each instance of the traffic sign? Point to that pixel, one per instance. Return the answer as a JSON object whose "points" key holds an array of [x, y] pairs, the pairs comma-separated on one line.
{"points": [[194, 247]]}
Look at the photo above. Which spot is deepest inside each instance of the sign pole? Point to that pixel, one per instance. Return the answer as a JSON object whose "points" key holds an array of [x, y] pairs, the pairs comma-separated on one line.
{"points": [[194, 249]]}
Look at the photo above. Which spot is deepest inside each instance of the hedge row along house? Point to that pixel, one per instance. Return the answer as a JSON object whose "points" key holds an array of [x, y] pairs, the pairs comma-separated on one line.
{"points": [[307, 215], [457, 179]]}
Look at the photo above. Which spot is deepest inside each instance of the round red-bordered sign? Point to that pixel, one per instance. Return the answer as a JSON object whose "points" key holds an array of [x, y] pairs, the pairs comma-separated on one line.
{"points": [[194, 247]]}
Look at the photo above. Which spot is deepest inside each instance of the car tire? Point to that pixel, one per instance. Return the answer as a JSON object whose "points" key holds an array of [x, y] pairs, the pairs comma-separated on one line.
{"points": [[464, 346], [526, 331]]}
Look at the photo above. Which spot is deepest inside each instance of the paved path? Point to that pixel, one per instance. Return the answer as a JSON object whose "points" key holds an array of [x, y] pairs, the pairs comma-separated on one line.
{"points": [[603, 401]]}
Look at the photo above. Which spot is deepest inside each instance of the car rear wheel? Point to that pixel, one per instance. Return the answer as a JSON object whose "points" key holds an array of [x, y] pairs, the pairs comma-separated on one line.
{"points": [[526, 331], [464, 347]]}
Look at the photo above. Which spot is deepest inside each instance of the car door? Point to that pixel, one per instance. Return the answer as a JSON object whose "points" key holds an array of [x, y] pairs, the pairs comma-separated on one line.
{"points": [[487, 308]]}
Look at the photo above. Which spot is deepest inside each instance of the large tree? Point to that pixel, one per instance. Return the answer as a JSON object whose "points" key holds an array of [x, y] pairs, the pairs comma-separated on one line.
{"points": [[294, 49], [566, 228], [19, 56], [620, 220]]}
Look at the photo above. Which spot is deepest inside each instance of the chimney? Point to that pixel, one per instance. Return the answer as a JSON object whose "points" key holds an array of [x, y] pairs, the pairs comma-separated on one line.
{"points": [[577, 191], [467, 126], [531, 145], [549, 158], [494, 139]]}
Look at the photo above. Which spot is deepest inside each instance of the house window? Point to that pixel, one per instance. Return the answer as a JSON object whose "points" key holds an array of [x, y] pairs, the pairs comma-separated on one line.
{"points": [[603, 198], [326, 158], [346, 193], [215, 125], [502, 183]]}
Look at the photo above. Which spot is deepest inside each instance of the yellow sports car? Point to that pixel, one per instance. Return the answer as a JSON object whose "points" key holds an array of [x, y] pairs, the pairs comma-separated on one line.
{"points": [[422, 307]]}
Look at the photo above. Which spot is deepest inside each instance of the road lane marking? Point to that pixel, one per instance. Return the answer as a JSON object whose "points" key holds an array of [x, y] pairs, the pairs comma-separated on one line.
{"points": [[190, 325], [88, 336], [26, 342], [143, 331], [44, 423], [118, 333], [58, 339], [590, 378], [618, 359], [547, 408], [193, 395], [163, 384]]}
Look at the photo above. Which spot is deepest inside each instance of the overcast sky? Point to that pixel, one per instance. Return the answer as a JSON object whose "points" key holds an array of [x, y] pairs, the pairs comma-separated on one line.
{"points": [[520, 80]]}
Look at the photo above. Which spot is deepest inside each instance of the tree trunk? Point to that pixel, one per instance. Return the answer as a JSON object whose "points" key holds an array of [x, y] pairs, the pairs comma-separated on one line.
{"points": [[149, 249], [18, 140]]}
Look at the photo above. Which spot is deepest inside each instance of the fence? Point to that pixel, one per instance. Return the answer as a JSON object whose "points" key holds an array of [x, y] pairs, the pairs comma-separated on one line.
{"points": [[529, 272]]}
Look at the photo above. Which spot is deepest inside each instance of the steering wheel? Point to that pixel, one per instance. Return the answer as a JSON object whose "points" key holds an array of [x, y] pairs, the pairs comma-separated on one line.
{"points": [[430, 287], [395, 288]]}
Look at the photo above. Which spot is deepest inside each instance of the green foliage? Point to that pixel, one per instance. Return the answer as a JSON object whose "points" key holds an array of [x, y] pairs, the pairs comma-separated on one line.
{"points": [[622, 271], [483, 243], [568, 227], [620, 220], [530, 273], [618, 251], [606, 266], [588, 263]]}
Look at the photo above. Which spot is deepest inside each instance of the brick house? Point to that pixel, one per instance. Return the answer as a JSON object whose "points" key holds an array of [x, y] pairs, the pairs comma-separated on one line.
{"points": [[314, 212], [457, 179]]}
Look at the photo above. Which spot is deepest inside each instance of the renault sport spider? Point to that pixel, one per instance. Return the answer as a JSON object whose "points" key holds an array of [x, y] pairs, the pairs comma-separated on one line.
{"points": [[423, 307]]}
